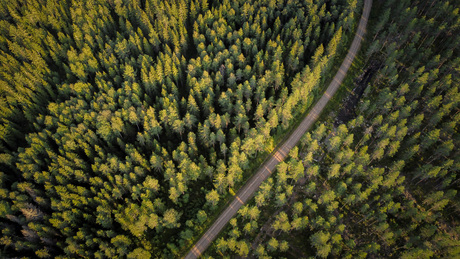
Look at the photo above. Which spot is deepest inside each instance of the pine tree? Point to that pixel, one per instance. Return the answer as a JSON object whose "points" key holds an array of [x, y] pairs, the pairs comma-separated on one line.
{"points": [[212, 197]]}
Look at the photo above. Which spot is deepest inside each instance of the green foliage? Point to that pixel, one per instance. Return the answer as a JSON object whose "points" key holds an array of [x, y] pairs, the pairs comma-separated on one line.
{"points": [[139, 253], [384, 183], [320, 241], [124, 124], [114, 116]]}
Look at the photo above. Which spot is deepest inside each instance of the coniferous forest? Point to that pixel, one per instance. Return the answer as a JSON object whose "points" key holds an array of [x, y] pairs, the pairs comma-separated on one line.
{"points": [[126, 125], [382, 181]]}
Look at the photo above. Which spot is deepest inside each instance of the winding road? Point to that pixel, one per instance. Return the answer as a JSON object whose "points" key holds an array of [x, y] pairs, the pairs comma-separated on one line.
{"points": [[246, 192]]}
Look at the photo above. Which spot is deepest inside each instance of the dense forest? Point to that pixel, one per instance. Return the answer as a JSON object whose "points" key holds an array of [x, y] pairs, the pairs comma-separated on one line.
{"points": [[381, 182], [124, 124]]}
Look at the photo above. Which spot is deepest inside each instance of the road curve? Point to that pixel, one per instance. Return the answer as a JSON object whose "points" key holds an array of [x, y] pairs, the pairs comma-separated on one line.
{"points": [[279, 154]]}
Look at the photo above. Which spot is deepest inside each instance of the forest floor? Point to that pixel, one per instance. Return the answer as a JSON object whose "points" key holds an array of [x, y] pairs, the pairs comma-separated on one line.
{"points": [[347, 112]]}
